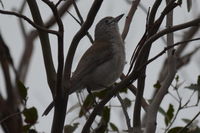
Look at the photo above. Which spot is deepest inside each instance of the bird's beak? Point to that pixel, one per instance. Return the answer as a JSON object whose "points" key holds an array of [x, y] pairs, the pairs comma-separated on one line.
{"points": [[116, 19]]}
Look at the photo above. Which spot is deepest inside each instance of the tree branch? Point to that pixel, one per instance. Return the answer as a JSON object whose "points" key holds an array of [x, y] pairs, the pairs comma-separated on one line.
{"points": [[30, 37], [60, 97], [81, 20], [125, 113], [38, 27], [46, 49], [129, 18], [183, 129], [154, 106]]}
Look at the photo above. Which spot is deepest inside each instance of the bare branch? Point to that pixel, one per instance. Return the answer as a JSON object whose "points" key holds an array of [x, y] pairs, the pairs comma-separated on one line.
{"points": [[5, 59], [81, 20], [133, 89], [9, 116], [154, 106], [60, 97], [129, 18], [143, 54], [38, 27], [183, 129], [58, 3], [62, 10], [45, 43], [169, 47], [194, 22], [29, 47], [125, 113]]}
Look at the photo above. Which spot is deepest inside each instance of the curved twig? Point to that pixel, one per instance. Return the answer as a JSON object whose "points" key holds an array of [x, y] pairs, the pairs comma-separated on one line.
{"points": [[38, 27]]}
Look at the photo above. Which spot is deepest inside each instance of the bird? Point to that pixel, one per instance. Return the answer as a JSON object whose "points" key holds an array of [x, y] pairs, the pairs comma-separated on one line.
{"points": [[102, 64]]}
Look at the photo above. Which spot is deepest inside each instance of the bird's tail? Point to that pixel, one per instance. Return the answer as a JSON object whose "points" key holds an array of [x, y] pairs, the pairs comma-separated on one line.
{"points": [[76, 86]]}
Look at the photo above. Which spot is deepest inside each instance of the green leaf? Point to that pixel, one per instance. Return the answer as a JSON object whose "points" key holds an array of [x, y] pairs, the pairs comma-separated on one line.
{"points": [[162, 111], [127, 102], [196, 130], [169, 114], [123, 90], [179, 2], [194, 87], [157, 85], [114, 127], [26, 128], [30, 115], [106, 114], [22, 90], [101, 94], [186, 120], [177, 129], [32, 131], [70, 128], [177, 78], [102, 126], [87, 104]]}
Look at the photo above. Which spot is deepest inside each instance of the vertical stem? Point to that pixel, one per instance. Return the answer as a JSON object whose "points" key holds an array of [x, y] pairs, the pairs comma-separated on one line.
{"points": [[45, 43]]}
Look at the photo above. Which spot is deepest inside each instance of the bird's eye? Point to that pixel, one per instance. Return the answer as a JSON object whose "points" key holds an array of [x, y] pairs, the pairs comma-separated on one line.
{"points": [[107, 21]]}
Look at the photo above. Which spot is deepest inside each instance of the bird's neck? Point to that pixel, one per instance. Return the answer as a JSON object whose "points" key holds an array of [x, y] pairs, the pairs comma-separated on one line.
{"points": [[109, 37]]}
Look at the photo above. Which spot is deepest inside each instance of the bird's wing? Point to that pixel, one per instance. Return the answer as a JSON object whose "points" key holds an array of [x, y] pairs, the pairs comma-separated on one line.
{"points": [[96, 55]]}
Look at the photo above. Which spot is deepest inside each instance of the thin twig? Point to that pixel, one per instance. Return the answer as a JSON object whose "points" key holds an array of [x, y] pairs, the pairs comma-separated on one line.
{"points": [[88, 34], [45, 43], [125, 112], [186, 126], [38, 27], [167, 48], [81, 20], [78, 12], [174, 118], [129, 18], [9, 116], [194, 22], [178, 100], [58, 3], [74, 18], [61, 98]]}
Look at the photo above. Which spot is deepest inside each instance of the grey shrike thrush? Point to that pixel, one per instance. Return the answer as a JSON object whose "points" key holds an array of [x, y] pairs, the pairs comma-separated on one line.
{"points": [[103, 63]]}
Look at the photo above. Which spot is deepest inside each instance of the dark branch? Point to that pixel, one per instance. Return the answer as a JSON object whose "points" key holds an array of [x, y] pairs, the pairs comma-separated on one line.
{"points": [[38, 27]]}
